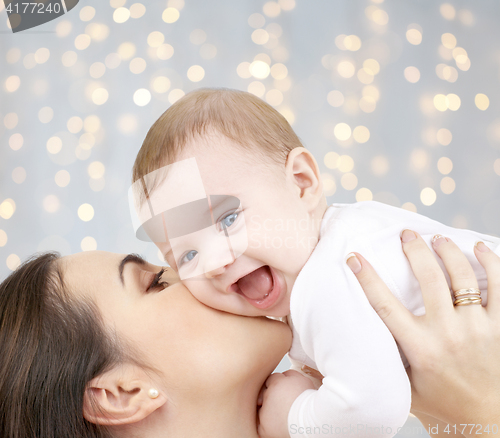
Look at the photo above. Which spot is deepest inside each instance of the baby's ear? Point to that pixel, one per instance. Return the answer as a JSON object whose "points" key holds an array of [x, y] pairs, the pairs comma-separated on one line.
{"points": [[123, 395], [303, 171]]}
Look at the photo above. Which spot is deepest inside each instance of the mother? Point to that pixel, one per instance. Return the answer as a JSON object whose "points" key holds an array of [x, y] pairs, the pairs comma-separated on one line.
{"points": [[101, 345]]}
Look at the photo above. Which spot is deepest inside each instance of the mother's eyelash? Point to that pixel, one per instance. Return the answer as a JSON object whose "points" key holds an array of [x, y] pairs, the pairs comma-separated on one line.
{"points": [[155, 283]]}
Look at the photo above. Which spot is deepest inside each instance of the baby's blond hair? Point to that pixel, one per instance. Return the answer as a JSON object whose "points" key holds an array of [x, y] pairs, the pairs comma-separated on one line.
{"points": [[238, 115]]}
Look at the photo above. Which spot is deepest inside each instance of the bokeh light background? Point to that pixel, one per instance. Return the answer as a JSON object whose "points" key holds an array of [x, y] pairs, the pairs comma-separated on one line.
{"points": [[398, 101]]}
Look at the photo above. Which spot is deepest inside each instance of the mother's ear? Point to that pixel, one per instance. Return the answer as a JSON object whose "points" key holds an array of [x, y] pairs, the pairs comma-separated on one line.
{"points": [[121, 396], [302, 170]]}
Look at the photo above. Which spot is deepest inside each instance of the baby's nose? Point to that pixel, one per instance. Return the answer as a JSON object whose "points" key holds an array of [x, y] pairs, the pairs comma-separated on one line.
{"points": [[215, 272]]}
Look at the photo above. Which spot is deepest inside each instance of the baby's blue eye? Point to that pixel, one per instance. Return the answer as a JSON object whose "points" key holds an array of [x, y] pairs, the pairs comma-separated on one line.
{"points": [[188, 257], [228, 220]]}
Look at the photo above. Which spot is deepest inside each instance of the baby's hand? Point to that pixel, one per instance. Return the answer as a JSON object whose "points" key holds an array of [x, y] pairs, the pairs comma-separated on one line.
{"points": [[280, 391]]}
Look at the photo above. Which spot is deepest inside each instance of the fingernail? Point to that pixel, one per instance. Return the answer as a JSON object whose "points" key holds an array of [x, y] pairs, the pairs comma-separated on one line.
{"points": [[482, 247], [438, 239], [408, 236], [353, 262]]}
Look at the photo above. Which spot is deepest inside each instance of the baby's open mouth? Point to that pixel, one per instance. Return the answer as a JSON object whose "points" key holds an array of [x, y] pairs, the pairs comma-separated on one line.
{"points": [[256, 285]]}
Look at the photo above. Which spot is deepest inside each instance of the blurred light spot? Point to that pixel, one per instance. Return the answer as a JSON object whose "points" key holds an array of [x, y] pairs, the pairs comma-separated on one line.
{"points": [[16, 141], [329, 186], [69, 58], [364, 194], [409, 206], [121, 15], [137, 65], [379, 165], [419, 159], [335, 98], [63, 28], [137, 10], [87, 13], [414, 36], [177, 4], [11, 120], [175, 95], [113, 60], [208, 51], [453, 102], [256, 20], [62, 178], [274, 29], [142, 97], [367, 104], [74, 125], [7, 208], [482, 101], [97, 185], [465, 65], [3, 238], [274, 97], [96, 170], [271, 9], [161, 84], [342, 131], [346, 69], [361, 134], [97, 70], [170, 15], [372, 65], [440, 102], [82, 41], [466, 17], [86, 212], [283, 84], [88, 244], [197, 36], [97, 31], [279, 71], [126, 50], [100, 96], [280, 54], [287, 5], [259, 69], [288, 114], [449, 40], [257, 88], [156, 39], [127, 123], [331, 160], [260, 36], [117, 3], [447, 185], [165, 51], [13, 55], [371, 91], [19, 175], [428, 196], [412, 74], [87, 140], [46, 114], [29, 61], [12, 83], [349, 181], [339, 41], [365, 76], [13, 262], [447, 11], [496, 166], [42, 55], [445, 53], [82, 153], [444, 137], [51, 203], [345, 163], [195, 73], [54, 145], [445, 165], [92, 123]]}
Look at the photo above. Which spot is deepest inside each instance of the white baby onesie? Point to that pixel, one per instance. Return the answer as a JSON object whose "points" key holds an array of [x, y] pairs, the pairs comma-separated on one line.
{"points": [[365, 391]]}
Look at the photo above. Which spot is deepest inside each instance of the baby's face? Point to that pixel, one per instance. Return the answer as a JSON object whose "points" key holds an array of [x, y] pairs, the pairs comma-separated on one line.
{"points": [[257, 280]]}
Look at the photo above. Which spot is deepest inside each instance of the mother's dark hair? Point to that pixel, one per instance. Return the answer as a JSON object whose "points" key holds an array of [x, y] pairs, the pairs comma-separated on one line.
{"points": [[51, 346]]}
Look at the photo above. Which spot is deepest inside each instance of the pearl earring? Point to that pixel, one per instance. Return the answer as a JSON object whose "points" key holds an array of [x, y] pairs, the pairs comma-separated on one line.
{"points": [[153, 393]]}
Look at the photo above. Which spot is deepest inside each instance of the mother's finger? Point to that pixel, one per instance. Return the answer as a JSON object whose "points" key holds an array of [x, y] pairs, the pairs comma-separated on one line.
{"points": [[428, 272], [491, 263], [396, 317]]}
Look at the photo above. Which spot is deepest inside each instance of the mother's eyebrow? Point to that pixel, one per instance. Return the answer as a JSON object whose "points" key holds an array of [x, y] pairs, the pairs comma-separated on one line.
{"points": [[133, 258]]}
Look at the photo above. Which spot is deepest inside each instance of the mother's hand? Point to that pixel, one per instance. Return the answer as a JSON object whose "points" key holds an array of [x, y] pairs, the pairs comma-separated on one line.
{"points": [[453, 351]]}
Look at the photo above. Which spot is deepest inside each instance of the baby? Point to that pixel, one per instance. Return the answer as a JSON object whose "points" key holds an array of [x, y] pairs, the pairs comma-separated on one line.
{"points": [[223, 166]]}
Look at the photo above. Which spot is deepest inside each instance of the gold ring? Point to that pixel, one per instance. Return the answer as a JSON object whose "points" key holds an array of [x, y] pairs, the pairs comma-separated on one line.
{"points": [[462, 292], [466, 301]]}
